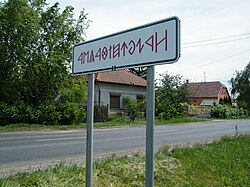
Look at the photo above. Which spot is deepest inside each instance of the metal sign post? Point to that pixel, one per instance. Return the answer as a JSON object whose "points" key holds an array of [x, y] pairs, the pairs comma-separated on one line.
{"points": [[150, 116], [90, 122]]}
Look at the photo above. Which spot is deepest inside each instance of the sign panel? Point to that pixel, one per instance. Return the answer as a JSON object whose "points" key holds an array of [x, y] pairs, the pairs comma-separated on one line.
{"points": [[151, 44]]}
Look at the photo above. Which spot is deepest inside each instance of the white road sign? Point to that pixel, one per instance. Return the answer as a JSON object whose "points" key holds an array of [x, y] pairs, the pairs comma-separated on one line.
{"points": [[151, 44]]}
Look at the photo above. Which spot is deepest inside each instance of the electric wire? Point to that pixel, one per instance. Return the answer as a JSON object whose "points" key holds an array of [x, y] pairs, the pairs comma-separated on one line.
{"points": [[216, 43], [214, 39], [225, 58]]}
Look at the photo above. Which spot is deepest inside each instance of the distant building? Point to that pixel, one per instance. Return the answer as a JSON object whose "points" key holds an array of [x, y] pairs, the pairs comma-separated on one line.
{"points": [[206, 93]]}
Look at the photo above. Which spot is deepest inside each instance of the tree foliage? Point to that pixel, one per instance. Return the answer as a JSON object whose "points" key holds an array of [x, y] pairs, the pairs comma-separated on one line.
{"points": [[36, 43], [140, 71], [241, 87], [35, 49], [169, 96]]}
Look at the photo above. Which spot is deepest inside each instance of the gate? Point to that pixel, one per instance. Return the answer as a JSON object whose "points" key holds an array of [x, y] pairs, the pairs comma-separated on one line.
{"points": [[100, 113]]}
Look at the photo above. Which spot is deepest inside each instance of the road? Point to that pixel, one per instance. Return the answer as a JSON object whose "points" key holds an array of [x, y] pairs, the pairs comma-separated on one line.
{"points": [[20, 150]]}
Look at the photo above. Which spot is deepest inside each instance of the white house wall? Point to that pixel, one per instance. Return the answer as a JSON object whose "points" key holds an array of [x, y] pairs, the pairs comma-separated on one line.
{"points": [[125, 90]]}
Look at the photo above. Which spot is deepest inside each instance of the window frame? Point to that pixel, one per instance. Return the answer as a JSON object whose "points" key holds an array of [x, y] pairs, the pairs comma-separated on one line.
{"points": [[115, 101]]}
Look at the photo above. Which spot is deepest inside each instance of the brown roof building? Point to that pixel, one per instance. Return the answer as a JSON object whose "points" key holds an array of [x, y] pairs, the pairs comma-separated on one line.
{"points": [[206, 93], [111, 87], [121, 77]]}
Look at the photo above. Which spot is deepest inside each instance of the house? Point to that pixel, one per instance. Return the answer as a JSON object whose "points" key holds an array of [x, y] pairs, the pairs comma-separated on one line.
{"points": [[112, 87], [206, 93]]}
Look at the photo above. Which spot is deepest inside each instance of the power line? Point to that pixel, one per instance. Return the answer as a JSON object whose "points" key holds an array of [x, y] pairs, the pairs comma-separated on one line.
{"points": [[216, 43], [197, 67], [219, 38]]}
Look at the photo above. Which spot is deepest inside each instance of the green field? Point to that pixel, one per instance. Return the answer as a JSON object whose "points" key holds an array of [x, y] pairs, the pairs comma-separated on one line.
{"points": [[223, 163]]}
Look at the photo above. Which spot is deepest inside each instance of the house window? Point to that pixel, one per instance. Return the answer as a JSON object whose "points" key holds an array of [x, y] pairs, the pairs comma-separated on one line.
{"points": [[115, 100]]}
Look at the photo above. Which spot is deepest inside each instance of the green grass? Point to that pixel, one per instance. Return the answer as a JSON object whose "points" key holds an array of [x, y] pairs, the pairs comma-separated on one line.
{"points": [[222, 163], [182, 120], [114, 122], [225, 163], [120, 121], [37, 127]]}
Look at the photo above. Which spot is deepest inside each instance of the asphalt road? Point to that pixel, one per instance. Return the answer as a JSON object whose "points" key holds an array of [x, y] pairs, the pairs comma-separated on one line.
{"points": [[20, 149]]}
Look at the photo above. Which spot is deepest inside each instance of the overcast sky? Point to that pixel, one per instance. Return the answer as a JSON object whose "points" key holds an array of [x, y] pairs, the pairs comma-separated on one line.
{"points": [[225, 24]]}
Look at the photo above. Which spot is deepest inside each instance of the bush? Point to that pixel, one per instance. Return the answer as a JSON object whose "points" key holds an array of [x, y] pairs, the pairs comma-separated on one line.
{"points": [[49, 114], [8, 114], [61, 114], [131, 105], [134, 107], [167, 110], [226, 111], [70, 114], [53, 114], [26, 113]]}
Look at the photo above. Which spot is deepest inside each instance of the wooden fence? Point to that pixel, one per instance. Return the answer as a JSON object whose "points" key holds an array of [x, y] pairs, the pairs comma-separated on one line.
{"points": [[100, 113]]}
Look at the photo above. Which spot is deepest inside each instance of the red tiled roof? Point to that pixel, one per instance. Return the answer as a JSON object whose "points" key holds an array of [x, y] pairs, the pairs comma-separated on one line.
{"points": [[121, 77], [204, 89]]}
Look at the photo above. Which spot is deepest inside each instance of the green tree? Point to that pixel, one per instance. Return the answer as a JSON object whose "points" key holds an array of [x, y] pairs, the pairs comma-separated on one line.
{"points": [[241, 87], [140, 71], [169, 96], [75, 92], [35, 49]]}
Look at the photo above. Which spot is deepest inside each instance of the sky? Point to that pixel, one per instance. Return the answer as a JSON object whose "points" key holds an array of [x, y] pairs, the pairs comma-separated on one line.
{"points": [[215, 34]]}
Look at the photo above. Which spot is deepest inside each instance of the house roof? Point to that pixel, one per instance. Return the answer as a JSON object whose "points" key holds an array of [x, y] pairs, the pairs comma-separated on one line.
{"points": [[204, 89], [121, 77]]}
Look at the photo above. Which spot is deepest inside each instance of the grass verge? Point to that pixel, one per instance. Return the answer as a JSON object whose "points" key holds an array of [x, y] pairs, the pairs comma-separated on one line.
{"points": [[180, 120], [222, 163], [36, 127], [115, 122]]}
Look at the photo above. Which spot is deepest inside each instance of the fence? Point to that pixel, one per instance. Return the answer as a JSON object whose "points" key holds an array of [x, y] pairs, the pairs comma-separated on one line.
{"points": [[196, 110], [101, 113], [193, 110]]}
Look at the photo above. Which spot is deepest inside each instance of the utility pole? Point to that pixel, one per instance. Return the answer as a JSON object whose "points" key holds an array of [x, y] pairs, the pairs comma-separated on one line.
{"points": [[205, 76]]}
